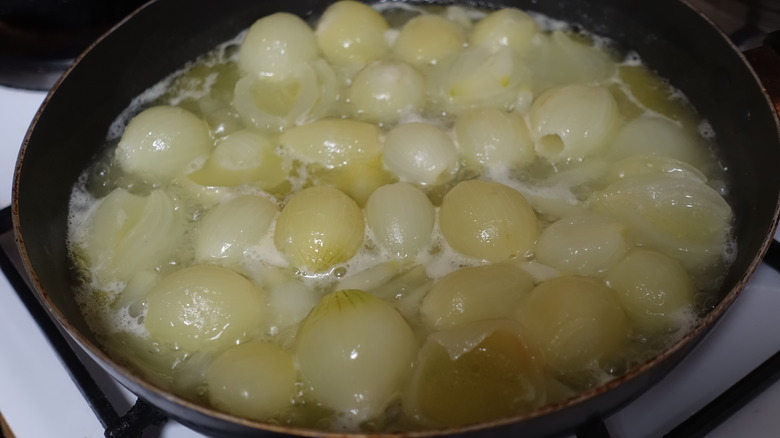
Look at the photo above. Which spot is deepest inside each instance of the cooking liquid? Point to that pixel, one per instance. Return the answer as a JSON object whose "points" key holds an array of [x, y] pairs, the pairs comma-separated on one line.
{"points": [[205, 86]]}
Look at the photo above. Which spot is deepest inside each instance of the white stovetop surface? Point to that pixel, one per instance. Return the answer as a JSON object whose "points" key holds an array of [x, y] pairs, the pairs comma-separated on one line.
{"points": [[38, 398]]}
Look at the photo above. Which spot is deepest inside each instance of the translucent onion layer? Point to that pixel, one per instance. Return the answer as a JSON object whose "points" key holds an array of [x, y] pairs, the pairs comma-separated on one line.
{"points": [[479, 77], [683, 218], [273, 105]]}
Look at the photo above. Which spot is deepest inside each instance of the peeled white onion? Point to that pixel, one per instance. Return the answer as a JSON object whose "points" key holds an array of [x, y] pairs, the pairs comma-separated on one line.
{"points": [[577, 322], [654, 289], [421, 153], [350, 32], [354, 352], [681, 217], [402, 218], [492, 137], [131, 233], [255, 380], [242, 157], [658, 137], [273, 105], [496, 375], [474, 294], [427, 39], [479, 77], [204, 307], [573, 122], [585, 244], [276, 46], [229, 229], [509, 27], [385, 91], [488, 220], [333, 142], [161, 142], [318, 228], [558, 59]]}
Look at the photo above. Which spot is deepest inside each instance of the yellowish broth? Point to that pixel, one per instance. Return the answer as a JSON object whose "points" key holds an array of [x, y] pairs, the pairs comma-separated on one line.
{"points": [[405, 336]]}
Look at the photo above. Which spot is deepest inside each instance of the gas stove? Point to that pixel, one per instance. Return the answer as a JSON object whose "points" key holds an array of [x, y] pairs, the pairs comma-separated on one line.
{"points": [[38, 397]]}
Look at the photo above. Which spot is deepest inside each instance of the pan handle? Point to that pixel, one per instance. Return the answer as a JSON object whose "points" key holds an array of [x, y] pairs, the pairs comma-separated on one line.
{"points": [[765, 60]]}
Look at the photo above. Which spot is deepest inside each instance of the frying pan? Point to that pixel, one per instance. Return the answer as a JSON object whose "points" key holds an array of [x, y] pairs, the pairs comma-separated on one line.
{"points": [[672, 38]]}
